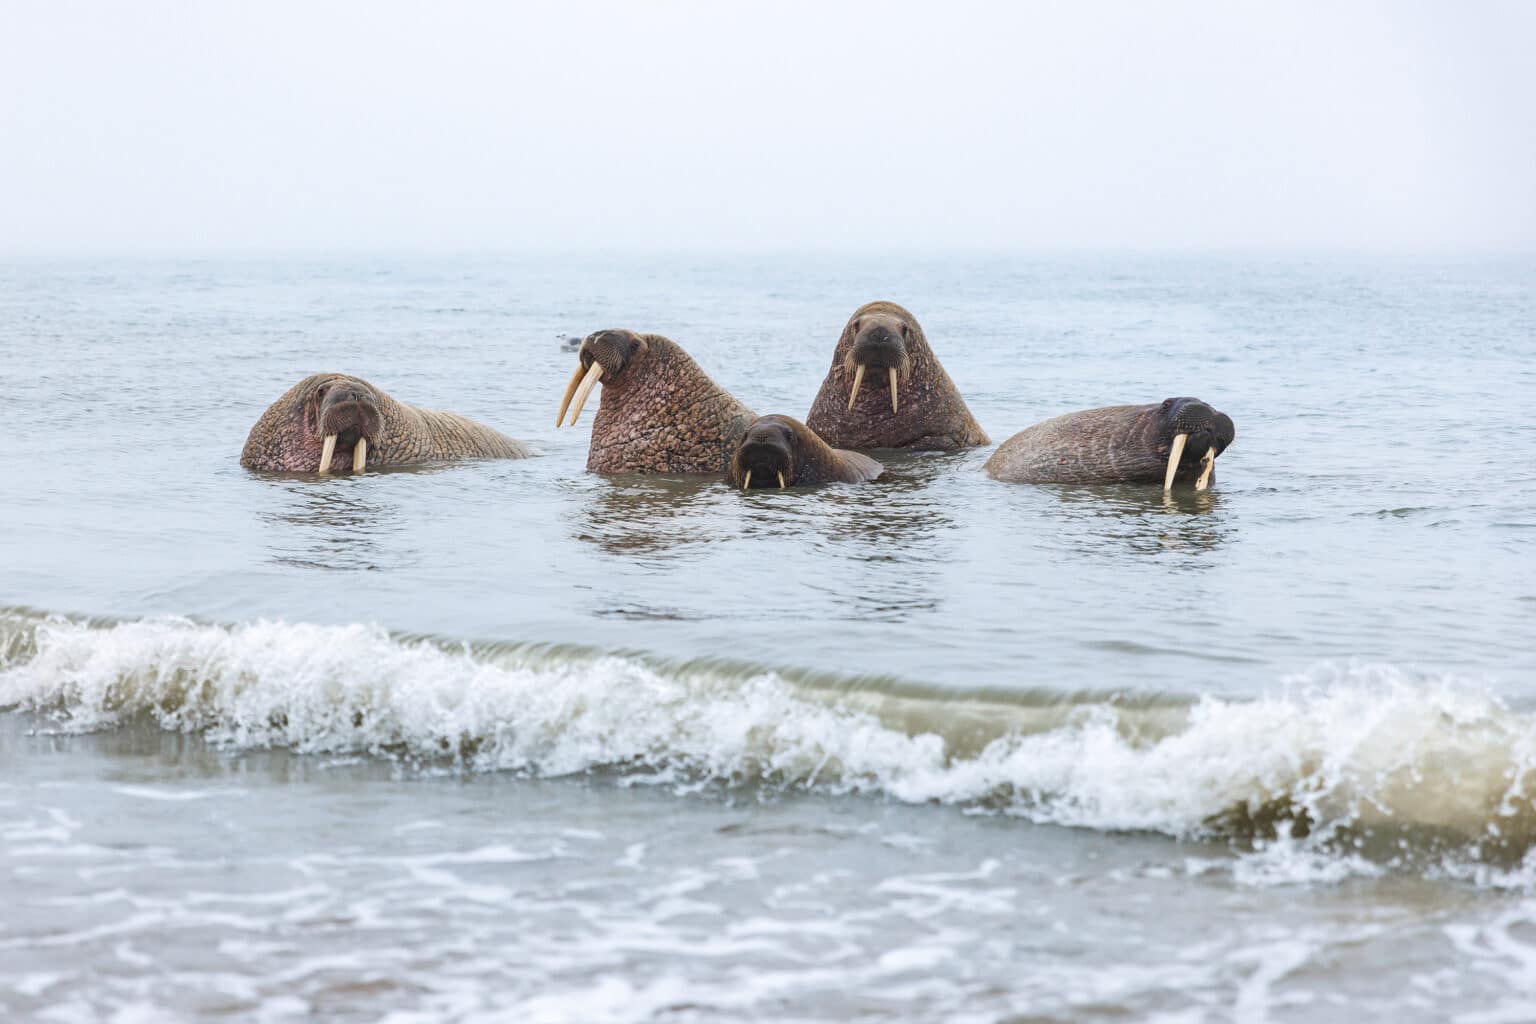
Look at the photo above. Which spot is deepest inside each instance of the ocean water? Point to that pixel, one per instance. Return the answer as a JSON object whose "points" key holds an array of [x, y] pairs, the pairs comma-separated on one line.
{"points": [[507, 741]]}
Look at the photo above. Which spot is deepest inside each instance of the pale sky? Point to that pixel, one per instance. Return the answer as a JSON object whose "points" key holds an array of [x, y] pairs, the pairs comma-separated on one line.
{"points": [[166, 126]]}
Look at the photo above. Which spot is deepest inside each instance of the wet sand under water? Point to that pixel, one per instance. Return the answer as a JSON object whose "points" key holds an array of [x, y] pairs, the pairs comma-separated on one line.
{"points": [[150, 872]]}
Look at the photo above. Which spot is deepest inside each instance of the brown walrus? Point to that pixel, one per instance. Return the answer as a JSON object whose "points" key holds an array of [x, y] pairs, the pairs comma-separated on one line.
{"points": [[1177, 440], [778, 450], [908, 401], [333, 422], [659, 412]]}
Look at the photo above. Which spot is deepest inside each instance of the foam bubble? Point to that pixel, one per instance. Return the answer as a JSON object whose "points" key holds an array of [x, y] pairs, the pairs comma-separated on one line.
{"points": [[1346, 760]]}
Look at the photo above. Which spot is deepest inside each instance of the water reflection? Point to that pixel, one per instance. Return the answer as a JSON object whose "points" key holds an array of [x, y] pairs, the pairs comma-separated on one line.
{"points": [[890, 540], [645, 515], [899, 509], [340, 524], [1144, 519]]}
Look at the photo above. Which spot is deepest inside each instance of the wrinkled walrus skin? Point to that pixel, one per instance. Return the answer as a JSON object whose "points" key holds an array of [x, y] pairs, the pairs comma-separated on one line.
{"points": [[778, 451], [659, 413], [290, 436], [930, 415], [1116, 444]]}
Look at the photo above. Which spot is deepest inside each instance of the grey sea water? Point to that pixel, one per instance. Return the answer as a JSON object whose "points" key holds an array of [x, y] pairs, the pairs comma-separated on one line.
{"points": [[506, 741]]}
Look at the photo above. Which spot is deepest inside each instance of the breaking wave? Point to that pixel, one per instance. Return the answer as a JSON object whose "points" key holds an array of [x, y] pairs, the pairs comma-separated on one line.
{"points": [[1354, 761]]}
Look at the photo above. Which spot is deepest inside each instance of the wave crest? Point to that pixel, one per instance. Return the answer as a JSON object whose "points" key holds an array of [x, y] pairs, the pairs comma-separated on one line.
{"points": [[1351, 756]]}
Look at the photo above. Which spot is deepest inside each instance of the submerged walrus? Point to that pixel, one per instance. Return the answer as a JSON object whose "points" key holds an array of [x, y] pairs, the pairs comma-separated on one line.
{"points": [[659, 412], [1177, 440], [908, 401], [332, 421], [783, 451]]}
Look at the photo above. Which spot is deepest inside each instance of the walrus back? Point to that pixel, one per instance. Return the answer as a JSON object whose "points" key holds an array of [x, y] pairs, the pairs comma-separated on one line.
{"points": [[451, 436], [857, 468], [1095, 446]]}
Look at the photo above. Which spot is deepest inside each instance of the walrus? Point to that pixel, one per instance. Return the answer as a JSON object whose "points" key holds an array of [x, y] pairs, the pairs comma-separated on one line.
{"points": [[659, 413], [907, 400], [331, 421], [783, 451], [1177, 440]]}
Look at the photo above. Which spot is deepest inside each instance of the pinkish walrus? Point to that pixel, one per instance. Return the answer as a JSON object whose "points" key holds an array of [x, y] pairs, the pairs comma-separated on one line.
{"points": [[332, 422], [887, 389], [659, 413], [783, 452], [1169, 442]]}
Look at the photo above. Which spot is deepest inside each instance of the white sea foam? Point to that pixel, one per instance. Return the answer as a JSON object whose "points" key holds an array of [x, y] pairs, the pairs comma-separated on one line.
{"points": [[1344, 750]]}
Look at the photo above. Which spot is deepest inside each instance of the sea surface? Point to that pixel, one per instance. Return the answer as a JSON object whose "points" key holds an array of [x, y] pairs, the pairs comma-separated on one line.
{"points": [[506, 741]]}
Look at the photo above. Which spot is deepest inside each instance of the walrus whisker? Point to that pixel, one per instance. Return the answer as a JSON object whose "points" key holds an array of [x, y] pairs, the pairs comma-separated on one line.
{"points": [[326, 452], [1174, 454], [746, 484], [1209, 458], [858, 378], [893, 388], [594, 374], [570, 389], [360, 455], [781, 479]]}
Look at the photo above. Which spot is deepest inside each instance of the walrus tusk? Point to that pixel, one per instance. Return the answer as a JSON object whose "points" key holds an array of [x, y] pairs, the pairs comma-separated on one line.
{"points": [[594, 374], [326, 452], [747, 483], [570, 389], [1210, 465], [858, 378], [1174, 454], [360, 455], [781, 479], [893, 388]]}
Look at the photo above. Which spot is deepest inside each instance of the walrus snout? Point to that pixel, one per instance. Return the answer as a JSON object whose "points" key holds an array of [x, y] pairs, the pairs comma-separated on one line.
{"points": [[348, 414], [1197, 434], [769, 461], [766, 455], [603, 354], [879, 344]]}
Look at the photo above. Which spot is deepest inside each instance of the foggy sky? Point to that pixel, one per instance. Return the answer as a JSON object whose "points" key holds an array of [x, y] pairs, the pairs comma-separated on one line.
{"points": [[275, 125]]}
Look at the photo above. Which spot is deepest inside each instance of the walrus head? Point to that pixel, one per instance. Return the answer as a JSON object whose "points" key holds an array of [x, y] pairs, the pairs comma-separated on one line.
{"points": [[604, 355], [1195, 434], [879, 344], [343, 412], [766, 455]]}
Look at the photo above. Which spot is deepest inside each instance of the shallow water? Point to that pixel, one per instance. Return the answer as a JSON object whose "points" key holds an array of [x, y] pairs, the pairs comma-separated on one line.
{"points": [[508, 741]]}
